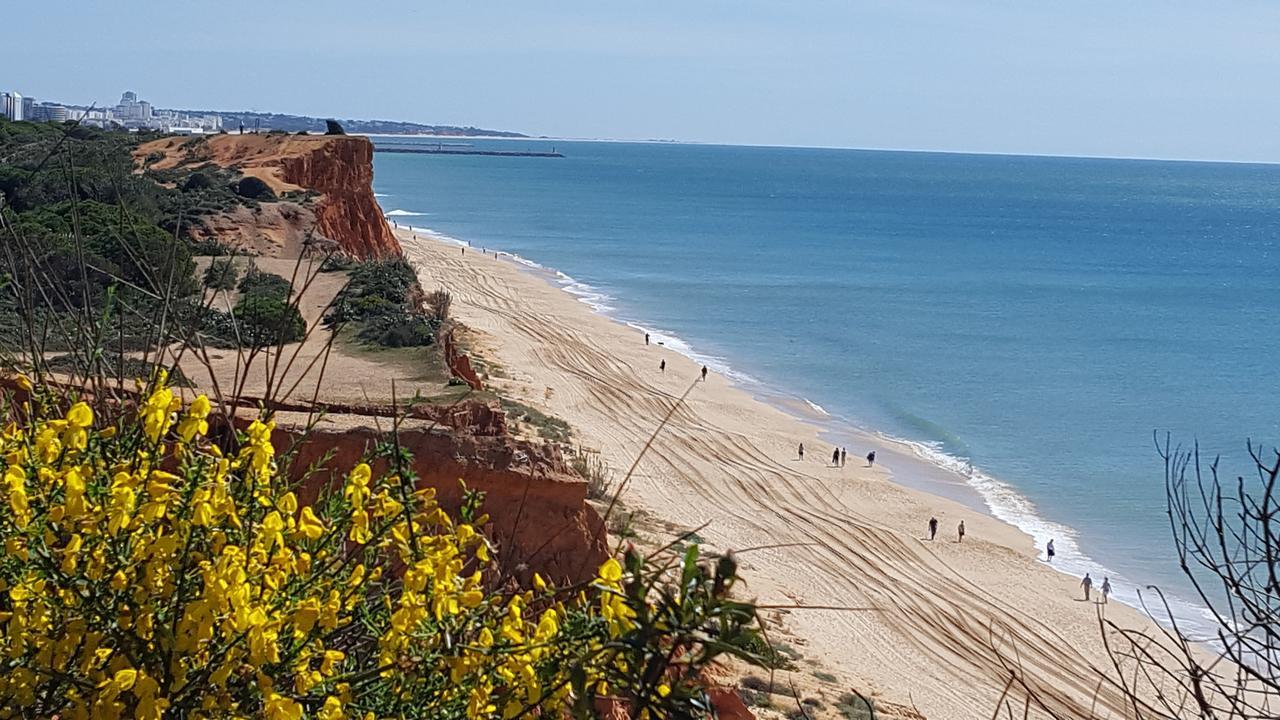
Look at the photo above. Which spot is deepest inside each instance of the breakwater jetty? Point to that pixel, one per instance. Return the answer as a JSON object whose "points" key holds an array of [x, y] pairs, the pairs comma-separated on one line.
{"points": [[454, 150]]}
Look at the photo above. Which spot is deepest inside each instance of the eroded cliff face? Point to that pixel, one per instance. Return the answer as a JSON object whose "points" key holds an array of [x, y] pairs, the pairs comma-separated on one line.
{"points": [[329, 177], [539, 515]]}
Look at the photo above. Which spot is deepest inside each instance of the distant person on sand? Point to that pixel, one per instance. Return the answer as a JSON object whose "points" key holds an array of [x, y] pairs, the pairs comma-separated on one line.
{"points": [[1087, 584], [844, 454], [646, 338], [835, 457], [1049, 550], [871, 458], [662, 366], [801, 451], [960, 532], [704, 372], [1106, 588], [933, 528]]}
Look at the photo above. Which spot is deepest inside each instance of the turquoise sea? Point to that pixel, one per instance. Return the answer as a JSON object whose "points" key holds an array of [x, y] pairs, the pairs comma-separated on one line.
{"points": [[1026, 323]]}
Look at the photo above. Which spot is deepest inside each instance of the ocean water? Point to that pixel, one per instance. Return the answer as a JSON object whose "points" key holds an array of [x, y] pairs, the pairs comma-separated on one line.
{"points": [[1027, 321]]}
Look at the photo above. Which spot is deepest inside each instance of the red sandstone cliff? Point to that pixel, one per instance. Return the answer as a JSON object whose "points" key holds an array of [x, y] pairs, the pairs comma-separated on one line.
{"points": [[338, 167], [539, 515]]}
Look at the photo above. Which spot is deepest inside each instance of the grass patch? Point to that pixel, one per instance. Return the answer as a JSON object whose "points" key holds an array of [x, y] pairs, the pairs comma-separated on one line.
{"points": [[547, 427], [855, 707], [593, 468], [755, 698], [778, 656]]}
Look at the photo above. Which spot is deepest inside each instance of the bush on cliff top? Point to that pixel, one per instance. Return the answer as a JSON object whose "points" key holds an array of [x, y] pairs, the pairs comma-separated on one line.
{"points": [[155, 564], [382, 300]]}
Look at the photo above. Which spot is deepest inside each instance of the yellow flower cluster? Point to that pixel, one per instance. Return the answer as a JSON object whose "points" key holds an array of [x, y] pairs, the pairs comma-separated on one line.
{"points": [[147, 573]]}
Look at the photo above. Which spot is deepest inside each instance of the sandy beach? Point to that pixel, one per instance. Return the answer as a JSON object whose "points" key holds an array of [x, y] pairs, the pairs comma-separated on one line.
{"points": [[939, 625]]}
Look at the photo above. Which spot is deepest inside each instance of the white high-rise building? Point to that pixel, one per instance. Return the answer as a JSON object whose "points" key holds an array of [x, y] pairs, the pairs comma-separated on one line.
{"points": [[12, 106]]}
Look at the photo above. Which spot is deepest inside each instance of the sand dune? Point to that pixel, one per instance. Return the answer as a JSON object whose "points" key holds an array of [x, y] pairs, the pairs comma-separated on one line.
{"points": [[946, 622]]}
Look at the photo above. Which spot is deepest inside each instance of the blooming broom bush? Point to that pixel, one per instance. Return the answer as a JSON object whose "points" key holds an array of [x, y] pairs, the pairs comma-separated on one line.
{"points": [[147, 573]]}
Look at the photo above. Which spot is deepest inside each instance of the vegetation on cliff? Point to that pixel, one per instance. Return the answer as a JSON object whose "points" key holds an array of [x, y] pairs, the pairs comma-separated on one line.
{"points": [[158, 563], [384, 304]]}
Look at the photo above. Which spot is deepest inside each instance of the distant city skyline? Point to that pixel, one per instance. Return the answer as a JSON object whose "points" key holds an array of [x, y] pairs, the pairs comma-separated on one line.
{"points": [[1187, 80]]}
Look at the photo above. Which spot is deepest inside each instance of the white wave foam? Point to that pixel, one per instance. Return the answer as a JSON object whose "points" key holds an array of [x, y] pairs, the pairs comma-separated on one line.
{"points": [[1008, 505], [405, 213], [379, 194], [436, 235], [1002, 501], [816, 407]]}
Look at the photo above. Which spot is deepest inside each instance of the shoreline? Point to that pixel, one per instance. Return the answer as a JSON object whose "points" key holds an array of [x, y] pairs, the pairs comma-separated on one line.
{"points": [[945, 617], [921, 468]]}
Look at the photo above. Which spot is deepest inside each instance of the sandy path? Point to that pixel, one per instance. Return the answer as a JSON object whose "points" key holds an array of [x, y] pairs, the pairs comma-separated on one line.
{"points": [[944, 614]]}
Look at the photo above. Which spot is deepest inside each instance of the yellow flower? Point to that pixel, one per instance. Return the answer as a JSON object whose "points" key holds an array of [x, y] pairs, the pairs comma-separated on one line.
{"points": [[611, 572], [156, 413], [282, 708], [309, 525], [79, 419], [195, 422], [122, 681], [332, 709]]}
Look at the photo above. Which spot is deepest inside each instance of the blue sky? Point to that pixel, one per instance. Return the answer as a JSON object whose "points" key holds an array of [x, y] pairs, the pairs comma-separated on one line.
{"points": [[1137, 78]]}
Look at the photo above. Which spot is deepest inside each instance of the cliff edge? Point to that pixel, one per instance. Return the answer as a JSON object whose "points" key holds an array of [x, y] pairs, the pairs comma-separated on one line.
{"points": [[323, 186]]}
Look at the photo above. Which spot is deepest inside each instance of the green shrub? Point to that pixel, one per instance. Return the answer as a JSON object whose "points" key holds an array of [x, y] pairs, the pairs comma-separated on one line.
{"points": [[265, 321], [221, 274], [379, 301], [264, 284], [254, 188]]}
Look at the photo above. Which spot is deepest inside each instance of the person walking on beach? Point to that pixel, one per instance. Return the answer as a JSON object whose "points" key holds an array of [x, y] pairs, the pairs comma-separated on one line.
{"points": [[933, 527], [844, 454], [1106, 588], [835, 457], [662, 366], [1087, 584], [1049, 550], [802, 451], [871, 458], [960, 532], [704, 373], [646, 338]]}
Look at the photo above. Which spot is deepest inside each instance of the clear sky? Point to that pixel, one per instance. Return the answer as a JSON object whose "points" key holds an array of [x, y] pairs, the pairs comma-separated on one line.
{"points": [[1144, 78]]}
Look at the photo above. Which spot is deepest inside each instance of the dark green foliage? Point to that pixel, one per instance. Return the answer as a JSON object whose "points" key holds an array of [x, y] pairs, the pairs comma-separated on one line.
{"points": [[258, 283], [220, 275], [380, 301], [332, 127], [254, 189], [265, 320], [198, 181], [338, 263], [116, 243], [117, 365], [263, 316]]}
